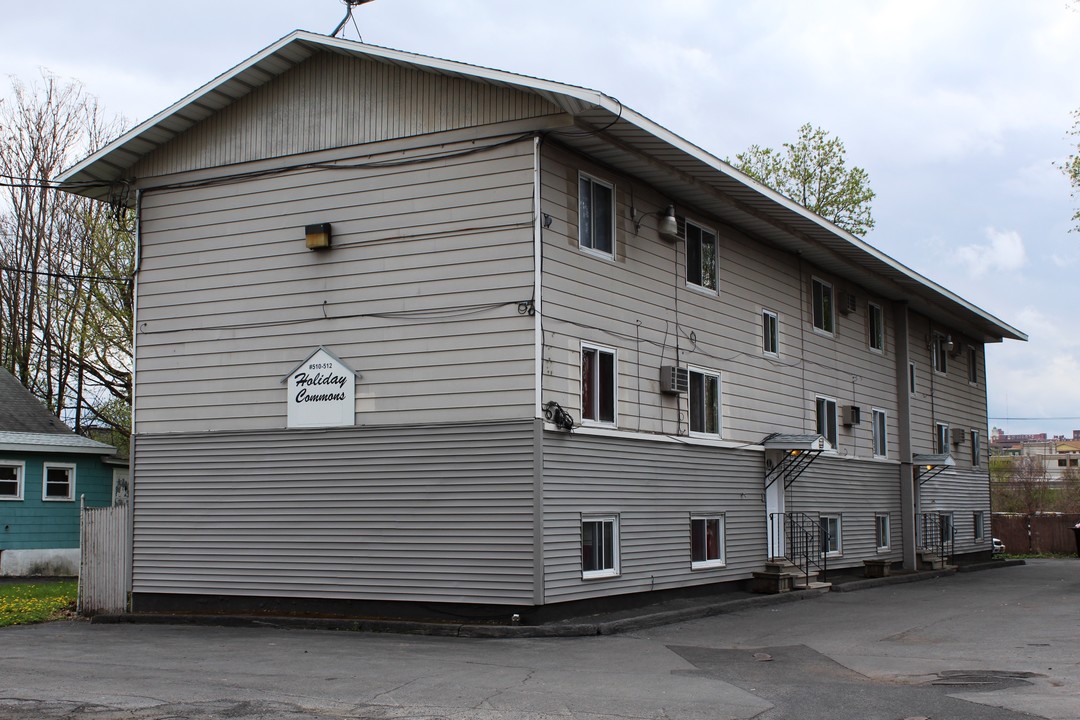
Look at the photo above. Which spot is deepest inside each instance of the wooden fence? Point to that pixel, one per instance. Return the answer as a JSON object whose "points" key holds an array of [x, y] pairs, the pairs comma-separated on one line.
{"points": [[104, 569], [1051, 533]]}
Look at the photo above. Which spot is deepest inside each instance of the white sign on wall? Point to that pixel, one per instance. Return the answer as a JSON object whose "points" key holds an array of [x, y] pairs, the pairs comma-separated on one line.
{"points": [[322, 392]]}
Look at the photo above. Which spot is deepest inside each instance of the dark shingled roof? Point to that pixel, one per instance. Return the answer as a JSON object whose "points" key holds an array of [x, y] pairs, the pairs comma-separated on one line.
{"points": [[20, 411]]}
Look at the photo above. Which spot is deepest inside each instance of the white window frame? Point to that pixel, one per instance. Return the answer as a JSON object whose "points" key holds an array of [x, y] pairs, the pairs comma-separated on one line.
{"points": [[882, 531], [880, 432], [591, 248], [827, 314], [939, 354], [976, 449], [978, 530], [701, 231], [20, 479], [835, 538], [912, 379], [823, 403], [941, 438], [602, 520], [719, 419], [720, 523], [770, 333], [875, 327], [70, 497], [946, 519], [595, 410]]}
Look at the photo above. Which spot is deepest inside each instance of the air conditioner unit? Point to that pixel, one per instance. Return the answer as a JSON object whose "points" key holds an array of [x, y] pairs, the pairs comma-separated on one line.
{"points": [[851, 414], [957, 435], [674, 380], [848, 303]]}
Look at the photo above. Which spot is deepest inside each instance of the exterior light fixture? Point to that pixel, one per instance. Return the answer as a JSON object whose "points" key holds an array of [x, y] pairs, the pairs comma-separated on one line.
{"points": [[317, 237], [669, 226]]}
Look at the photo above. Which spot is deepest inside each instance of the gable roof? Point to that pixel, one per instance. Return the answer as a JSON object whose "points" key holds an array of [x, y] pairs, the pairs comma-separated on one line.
{"points": [[612, 134], [27, 425]]}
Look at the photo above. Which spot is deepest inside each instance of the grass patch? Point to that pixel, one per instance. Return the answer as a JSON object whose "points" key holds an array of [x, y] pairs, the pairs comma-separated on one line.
{"points": [[33, 602]]}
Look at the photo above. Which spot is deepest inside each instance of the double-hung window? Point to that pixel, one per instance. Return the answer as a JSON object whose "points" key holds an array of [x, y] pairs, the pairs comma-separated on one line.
{"points": [[599, 546], [875, 325], [940, 353], [979, 528], [11, 480], [823, 306], [826, 419], [941, 440], [881, 434], [976, 449], [882, 531], [973, 365], [58, 482], [831, 543], [599, 384], [704, 402], [770, 332], [706, 541], [701, 257], [596, 216], [911, 379]]}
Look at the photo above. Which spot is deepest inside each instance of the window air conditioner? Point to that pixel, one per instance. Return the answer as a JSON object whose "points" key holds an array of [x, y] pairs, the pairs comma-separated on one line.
{"points": [[957, 435], [848, 302], [674, 380], [852, 414]]}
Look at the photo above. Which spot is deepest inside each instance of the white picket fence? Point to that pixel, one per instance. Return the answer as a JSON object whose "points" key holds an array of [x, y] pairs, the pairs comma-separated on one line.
{"points": [[104, 567]]}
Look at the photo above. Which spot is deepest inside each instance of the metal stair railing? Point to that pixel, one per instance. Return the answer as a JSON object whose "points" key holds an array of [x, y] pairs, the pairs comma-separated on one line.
{"points": [[806, 543], [935, 534]]}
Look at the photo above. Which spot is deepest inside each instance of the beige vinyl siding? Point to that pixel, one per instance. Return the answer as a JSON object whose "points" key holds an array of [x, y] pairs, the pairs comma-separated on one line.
{"points": [[640, 305], [419, 293], [653, 487], [331, 100], [854, 489], [436, 513]]}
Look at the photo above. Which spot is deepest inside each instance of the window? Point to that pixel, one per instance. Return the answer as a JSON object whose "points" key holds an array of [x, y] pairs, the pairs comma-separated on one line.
{"points": [[1073, 462], [599, 546], [976, 449], [830, 535], [973, 365], [875, 323], [911, 378], [1062, 462], [882, 530], [706, 541], [941, 442], [11, 480], [947, 527], [770, 332], [826, 419], [598, 385], [881, 434], [704, 402], [823, 306], [58, 482], [940, 353], [700, 257], [596, 216], [979, 528]]}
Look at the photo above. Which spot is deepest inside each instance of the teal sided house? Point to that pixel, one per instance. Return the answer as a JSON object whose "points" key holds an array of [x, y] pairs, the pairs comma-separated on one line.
{"points": [[45, 469]]}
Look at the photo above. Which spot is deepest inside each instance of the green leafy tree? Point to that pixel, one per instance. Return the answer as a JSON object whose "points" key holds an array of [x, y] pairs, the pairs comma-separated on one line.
{"points": [[1071, 168], [813, 172]]}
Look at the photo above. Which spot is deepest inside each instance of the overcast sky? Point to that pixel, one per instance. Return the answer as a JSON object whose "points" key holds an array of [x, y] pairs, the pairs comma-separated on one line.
{"points": [[957, 109]]}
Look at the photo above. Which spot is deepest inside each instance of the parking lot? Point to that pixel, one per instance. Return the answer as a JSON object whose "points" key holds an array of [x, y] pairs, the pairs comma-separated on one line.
{"points": [[1002, 643]]}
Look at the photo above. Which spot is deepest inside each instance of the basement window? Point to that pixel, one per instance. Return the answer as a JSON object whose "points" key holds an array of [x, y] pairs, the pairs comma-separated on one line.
{"points": [[599, 546]]}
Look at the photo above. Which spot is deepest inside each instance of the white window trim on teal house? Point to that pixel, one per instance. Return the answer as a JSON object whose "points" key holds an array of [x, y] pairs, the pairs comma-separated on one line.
{"points": [[587, 241], [699, 523], [70, 497], [20, 478], [604, 570]]}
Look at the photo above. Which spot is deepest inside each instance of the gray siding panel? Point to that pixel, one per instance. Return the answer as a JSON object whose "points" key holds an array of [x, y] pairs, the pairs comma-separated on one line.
{"points": [[653, 487], [438, 513], [961, 492], [419, 293]]}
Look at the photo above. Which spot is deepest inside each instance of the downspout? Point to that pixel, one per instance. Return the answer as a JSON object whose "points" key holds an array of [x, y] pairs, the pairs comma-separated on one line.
{"points": [[134, 354], [538, 361], [908, 490]]}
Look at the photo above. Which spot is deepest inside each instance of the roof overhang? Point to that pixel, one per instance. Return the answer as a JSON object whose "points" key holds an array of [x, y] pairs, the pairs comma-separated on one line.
{"points": [[927, 467], [614, 134], [788, 456], [52, 443]]}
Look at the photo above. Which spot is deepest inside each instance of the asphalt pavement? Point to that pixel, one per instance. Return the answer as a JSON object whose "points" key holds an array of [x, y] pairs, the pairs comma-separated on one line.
{"points": [[1001, 644]]}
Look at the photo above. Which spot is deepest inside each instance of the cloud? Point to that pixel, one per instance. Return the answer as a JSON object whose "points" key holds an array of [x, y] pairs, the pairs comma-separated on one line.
{"points": [[1004, 251]]}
